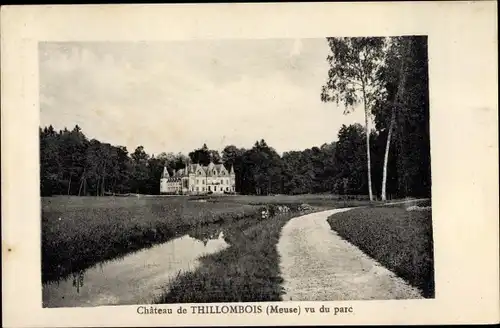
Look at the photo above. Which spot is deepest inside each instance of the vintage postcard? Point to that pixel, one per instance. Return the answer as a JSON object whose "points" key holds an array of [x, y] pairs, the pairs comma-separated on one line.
{"points": [[250, 164]]}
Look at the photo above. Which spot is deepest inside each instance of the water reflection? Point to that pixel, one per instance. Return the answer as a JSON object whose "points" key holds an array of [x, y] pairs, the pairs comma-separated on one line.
{"points": [[78, 280], [209, 232], [137, 278]]}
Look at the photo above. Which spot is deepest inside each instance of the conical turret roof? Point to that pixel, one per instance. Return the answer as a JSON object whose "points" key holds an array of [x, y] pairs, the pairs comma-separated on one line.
{"points": [[165, 173]]}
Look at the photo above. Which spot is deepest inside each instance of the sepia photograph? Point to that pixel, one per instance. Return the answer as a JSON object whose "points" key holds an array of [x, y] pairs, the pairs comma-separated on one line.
{"points": [[235, 171], [267, 164]]}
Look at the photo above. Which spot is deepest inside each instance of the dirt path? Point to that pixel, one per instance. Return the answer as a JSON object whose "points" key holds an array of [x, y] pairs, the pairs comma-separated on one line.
{"points": [[318, 265]]}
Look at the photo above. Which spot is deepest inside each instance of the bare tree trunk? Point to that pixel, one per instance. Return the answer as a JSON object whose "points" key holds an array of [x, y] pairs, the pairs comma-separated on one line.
{"points": [[103, 176], [368, 157], [398, 101], [386, 155], [69, 184], [97, 186], [81, 184]]}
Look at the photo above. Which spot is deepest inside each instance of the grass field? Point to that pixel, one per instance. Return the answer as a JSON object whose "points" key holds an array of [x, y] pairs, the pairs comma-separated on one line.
{"points": [[400, 240], [313, 199], [78, 232]]}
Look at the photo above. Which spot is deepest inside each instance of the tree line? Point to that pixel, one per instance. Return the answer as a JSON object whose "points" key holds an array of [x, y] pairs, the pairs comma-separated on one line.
{"points": [[71, 164], [388, 76]]}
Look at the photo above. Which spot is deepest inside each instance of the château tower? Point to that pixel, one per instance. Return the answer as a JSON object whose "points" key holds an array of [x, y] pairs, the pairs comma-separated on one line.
{"points": [[196, 179]]}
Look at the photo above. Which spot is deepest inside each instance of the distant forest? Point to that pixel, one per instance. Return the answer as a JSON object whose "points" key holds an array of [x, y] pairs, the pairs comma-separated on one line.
{"points": [[71, 164], [391, 80]]}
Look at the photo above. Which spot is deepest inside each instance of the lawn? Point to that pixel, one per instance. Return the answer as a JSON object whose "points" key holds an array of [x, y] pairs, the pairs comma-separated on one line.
{"points": [[78, 232], [327, 200], [400, 240]]}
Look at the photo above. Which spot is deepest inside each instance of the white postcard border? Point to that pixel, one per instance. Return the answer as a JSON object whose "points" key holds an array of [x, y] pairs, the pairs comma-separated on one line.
{"points": [[464, 145]]}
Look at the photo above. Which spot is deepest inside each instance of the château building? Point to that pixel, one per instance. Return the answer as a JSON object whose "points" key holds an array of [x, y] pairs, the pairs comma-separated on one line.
{"points": [[196, 179]]}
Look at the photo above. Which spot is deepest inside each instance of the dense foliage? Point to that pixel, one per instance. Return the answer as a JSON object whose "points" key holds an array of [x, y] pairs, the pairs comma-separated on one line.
{"points": [[71, 164]]}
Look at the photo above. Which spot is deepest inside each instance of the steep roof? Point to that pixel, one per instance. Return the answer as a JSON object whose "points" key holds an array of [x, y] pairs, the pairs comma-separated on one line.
{"points": [[193, 168], [219, 167], [165, 174]]}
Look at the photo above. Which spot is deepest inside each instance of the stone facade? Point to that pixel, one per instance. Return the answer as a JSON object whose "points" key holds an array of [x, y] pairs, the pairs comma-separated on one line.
{"points": [[196, 179]]}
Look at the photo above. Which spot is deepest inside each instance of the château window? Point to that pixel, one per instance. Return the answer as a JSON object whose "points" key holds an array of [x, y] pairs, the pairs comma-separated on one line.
{"points": [[222, 181], [203, 181], [197, 181], [215, 188]]}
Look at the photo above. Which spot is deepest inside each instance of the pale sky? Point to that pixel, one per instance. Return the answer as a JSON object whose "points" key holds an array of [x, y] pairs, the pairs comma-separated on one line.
{"points": [[175, 96]]}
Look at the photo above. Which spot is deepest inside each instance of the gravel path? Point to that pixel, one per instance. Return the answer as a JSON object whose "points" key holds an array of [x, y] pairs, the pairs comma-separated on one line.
{"points": [[318, 265]]}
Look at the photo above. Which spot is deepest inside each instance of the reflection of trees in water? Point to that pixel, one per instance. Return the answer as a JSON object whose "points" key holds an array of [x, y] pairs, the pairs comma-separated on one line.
{"points": [[78, 280], [206, 233]]}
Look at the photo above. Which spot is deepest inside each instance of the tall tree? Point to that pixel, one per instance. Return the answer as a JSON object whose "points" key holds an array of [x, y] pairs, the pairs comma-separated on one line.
{"points": [[232, 156], [413, 123], [394, 76], [215, 156], [140, 170], [350, 159], [352, 79], [124, 168], [201, 156], [402, 114], [51, 163], [261, 170]]}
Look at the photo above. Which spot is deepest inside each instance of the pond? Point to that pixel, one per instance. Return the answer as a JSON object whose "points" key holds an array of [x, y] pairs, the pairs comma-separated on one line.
{"points": [[137, 278]]}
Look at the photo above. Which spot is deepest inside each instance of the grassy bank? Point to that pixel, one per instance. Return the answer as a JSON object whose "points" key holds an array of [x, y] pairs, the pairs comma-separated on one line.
{"points": [[80, 232], [311, 199], [248, 271], [400, 240]]}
